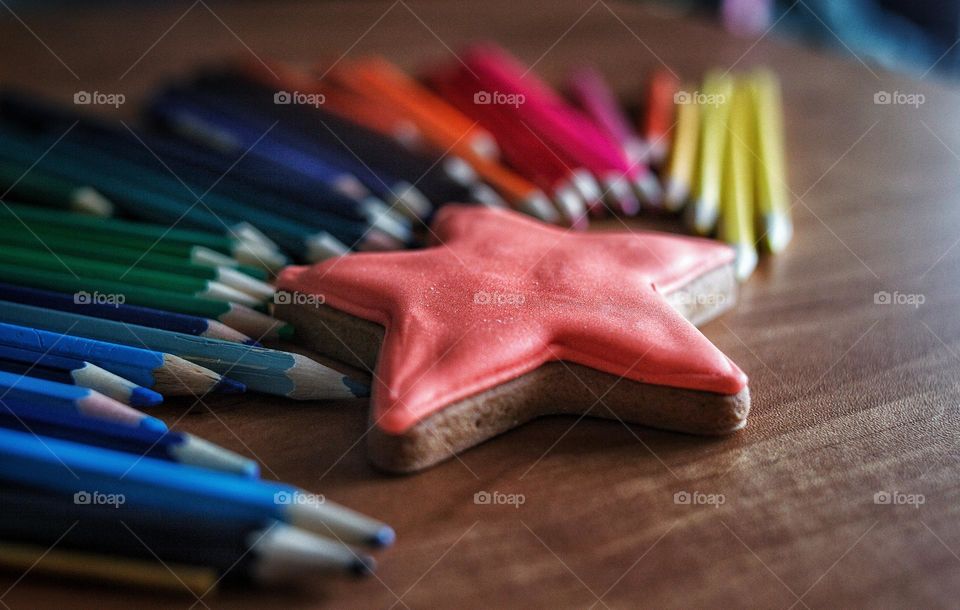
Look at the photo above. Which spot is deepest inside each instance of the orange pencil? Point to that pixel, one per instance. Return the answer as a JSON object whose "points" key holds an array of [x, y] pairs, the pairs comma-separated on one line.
{"points": [[427, 109], [657, 118]]}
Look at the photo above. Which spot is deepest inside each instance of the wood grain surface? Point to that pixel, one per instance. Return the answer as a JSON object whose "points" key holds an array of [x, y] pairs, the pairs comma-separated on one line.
{"points": [[851, 397]]}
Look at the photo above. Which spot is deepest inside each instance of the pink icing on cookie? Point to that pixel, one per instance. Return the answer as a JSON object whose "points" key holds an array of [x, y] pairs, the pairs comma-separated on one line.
{"points": [[499, 294]]}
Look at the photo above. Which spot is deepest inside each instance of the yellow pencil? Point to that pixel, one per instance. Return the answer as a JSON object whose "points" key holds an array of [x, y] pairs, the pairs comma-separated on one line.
{"points": [[83, 565], [715, 101], [683, 154], [773, 207], [737, 192]]}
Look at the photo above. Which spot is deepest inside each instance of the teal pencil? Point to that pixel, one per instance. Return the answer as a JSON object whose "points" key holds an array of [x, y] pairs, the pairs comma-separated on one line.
{"points": [[261, 369]]}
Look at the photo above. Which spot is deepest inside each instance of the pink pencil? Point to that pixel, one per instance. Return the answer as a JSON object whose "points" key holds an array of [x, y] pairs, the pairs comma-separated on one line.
{"points": [[563, 127], [518, 145], [588, 90]]}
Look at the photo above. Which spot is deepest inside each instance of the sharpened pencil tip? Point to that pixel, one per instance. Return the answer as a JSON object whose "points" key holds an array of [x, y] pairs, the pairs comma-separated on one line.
{"points": [[229, 386], [253, 343], [385, 536], [363, 566], [251, 470], [145, 397], [153, 423], [358, 389]]}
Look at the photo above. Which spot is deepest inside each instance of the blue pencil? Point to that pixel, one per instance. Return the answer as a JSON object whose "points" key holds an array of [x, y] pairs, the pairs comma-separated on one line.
{"points": [[76, 372], [133, 314], [165, 445], [164, 373], [186, 491], [19, 389], [207, 93], [261, 369]]}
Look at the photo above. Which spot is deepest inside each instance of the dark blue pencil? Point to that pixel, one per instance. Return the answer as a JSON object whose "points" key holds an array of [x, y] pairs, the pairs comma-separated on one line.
{"points": [[76, 372], [132, 314], [165, 445]]}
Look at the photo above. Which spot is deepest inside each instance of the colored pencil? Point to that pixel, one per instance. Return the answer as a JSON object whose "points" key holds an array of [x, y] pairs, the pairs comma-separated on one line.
{"points": [[376, 158], [158, 196], [48, 190], [84, 566], [185, 491], [658, 114], [261, 369], [773, 205], [176, 447], [377, 76], [264, 552], [681, 162], [371, 144], [522, 195], [737, 193], [41, 260], [255, 105], [152, 234], [714, 112], [591, 93], [49, 239], [564, 128], [240, 317], [18, 389], [164, 373], [519, 146], [153, 153], [201, 120], [76, 372], [131, 314]]}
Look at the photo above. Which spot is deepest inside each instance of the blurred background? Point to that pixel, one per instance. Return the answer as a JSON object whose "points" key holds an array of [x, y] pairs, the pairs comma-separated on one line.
{"points": [[918, 37]]}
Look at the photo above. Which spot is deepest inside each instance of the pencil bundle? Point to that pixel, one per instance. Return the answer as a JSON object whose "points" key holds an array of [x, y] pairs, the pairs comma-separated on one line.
{"points": [[726, 164]]}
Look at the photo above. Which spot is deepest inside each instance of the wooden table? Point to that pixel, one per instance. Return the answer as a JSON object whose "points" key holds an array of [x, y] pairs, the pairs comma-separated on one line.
{"points": [[851, 397]]}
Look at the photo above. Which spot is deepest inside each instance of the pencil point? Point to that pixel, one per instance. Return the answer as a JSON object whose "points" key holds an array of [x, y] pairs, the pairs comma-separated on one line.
{"points": [[152, 423], [746, 260], [384, 537], [363, 566], [229, 386], [253, 343], [358, 389], [145, 397], [779, 231]]}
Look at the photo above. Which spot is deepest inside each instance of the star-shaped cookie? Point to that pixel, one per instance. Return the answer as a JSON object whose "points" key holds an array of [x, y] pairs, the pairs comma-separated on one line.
{"points": [[504, 319]]}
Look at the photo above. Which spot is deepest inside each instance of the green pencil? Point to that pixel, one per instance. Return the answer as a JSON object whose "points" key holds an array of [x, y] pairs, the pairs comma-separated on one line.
{"points": [[44, 244], [85, 268], [152, 195], [48, 190], [127, 246], [254, 324]]}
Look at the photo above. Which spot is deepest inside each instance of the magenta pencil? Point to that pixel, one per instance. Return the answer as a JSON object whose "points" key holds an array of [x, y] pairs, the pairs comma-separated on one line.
{"points": [[561, 126], [591, 93], [519, 146]]}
